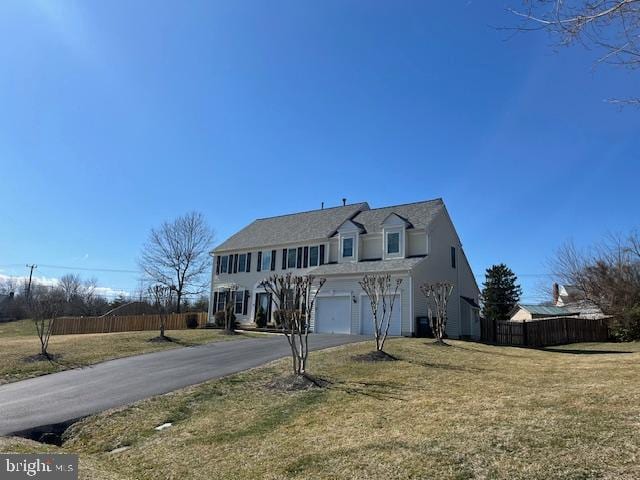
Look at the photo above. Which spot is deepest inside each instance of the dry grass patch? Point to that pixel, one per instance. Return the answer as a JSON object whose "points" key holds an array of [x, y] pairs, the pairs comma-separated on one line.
{"points": [[468, 411], [19, 345]]}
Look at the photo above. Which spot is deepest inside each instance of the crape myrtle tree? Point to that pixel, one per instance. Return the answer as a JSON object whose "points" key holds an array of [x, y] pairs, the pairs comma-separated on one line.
{"points": [[295, 297], [381, 292], [176, 255], [162, 298], [438, 294], [44, 308], [500, 292]]}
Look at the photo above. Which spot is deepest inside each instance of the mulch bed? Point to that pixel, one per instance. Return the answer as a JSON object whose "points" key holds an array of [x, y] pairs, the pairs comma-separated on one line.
{"points": [[375, 356], [160, 339], [296, 383], [52, 357]]}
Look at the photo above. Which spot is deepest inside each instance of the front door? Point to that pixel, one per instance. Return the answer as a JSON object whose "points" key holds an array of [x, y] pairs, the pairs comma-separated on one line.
{"points": [[263, 301]]}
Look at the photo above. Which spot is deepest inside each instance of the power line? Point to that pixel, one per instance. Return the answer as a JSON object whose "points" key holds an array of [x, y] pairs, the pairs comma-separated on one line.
{"points": [[87, 269]]}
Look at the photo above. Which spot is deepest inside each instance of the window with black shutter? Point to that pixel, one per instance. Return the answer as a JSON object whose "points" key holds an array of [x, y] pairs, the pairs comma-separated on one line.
{"points": [[273, 260], [246, 302], [284, 259], [215, 302], [259, 264], [217, 264], [305, 258], [235, 263], [321, 254], [299, 262], [248, 262]]}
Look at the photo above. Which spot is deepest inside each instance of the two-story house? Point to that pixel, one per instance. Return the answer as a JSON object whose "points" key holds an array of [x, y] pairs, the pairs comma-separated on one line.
{"points": [[416, 242]]}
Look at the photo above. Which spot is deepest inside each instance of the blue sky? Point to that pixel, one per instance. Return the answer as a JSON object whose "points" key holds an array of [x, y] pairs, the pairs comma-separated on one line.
{"points": [[115, 116]]}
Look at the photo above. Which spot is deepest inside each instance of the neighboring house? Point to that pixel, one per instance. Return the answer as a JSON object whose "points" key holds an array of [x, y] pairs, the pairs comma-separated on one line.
{"points": [[571, 297], [522, 312], [416, 242]]}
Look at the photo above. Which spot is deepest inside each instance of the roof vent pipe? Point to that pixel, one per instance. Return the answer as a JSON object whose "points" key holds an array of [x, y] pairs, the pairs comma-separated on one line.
{"points": [[344, 202], [322, 206]]}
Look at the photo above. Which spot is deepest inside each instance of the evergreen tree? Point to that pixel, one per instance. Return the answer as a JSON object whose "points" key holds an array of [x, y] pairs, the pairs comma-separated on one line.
{"points": [[501, 292]]}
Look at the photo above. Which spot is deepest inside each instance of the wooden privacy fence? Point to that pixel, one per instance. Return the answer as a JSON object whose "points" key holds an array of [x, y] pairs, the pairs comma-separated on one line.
{"points": [[124, 323], [544, 332]]}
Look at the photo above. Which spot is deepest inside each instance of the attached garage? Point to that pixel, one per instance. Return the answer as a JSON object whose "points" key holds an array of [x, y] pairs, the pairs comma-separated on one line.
{"points": [[366, 317], [333, 314]]}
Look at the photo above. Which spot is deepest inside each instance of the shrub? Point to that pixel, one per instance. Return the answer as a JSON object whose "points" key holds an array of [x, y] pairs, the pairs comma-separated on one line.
{"points": [[219, 318], [261, 318], [192, 321], [627, 329]]}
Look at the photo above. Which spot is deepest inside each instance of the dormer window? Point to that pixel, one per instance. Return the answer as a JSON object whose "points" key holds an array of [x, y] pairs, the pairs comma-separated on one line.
{"points": [[347, 247], [393, 243]]}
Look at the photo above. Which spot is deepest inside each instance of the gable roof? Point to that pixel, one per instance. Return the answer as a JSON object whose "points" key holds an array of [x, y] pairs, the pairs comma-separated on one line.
{"points": [[418, 215], [544, 310], [291, 228]]}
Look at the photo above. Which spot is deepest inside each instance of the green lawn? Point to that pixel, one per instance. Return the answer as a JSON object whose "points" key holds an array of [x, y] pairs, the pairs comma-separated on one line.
{"points": [[464, 411], [18, 341]]}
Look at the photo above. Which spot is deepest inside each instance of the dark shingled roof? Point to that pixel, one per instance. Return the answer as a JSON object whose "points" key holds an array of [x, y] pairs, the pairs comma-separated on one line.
{"points": [[418, 214], [292, 228]]}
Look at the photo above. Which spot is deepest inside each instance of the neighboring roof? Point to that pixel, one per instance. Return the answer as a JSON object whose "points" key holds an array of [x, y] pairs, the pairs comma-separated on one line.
{"points": [[470, 301], [419, 214], [292, 228], [381, 266], [545, 310]]}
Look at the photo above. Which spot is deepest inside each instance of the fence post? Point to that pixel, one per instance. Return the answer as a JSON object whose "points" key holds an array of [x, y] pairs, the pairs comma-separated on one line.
{"points": [[525, 338], [495, 330]]}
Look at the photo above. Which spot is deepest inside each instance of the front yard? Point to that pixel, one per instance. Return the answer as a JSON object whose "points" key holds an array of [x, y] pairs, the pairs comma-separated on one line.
{"points": [[466, 411], [18, 341]]}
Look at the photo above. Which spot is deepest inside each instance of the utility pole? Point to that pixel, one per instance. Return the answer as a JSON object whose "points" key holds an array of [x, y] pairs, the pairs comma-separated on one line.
{"points": [[32, 267]]}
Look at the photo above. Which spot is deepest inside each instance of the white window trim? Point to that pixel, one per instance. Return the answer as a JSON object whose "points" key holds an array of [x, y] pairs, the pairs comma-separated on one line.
{"points": [[264, 255], [295, 262], [222, 258], [401, 242], [318, 256], [235, 302], [353, 247], [245, 262], [388, 234]]}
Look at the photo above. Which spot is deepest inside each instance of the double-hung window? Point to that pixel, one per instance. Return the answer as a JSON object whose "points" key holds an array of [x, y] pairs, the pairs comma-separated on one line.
{"points": [[239, 302], [393, 243], [314, 256], [266, 260], [347, 247], [242, 262], [222, 298], [292, 257], [224, 264]]}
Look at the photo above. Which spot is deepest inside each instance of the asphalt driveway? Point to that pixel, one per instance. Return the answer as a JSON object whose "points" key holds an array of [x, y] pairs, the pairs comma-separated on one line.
{"points": [[68, 395]]}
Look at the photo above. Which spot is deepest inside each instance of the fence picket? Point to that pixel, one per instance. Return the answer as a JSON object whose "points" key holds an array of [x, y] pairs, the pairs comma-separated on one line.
{"points": [[125, 323]]}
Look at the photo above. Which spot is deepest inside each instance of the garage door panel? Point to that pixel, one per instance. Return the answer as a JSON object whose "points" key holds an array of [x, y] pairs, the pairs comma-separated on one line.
{"points": [[366, 317], [333, 314]]}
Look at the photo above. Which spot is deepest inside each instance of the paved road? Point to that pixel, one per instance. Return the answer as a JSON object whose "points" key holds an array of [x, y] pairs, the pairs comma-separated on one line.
{"points": [[68, 395]]}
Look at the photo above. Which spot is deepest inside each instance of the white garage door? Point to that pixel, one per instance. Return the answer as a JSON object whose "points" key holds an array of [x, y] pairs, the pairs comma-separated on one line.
{"points": [[333, 314], [366, 317]]}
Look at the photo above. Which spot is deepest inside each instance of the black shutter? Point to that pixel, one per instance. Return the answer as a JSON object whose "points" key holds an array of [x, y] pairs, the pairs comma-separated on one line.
{"points": [[217, 264], [246, 302], [273, 260], [235, 263], [284, 258], [299, 259], [259, 264], [248, 269], [305, 260], [321, 254], [215, 303]]}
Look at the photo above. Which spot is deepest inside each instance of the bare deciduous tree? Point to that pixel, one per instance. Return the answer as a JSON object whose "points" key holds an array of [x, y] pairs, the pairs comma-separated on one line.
{"points": [[610, 26], [176, 255], [607, 275], [378, 289], [44, 308], [438, 293], [295, 297], [162, 297]]}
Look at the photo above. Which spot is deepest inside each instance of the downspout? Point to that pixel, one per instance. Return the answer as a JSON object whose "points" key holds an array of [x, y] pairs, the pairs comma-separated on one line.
{"points": [[411, 319], [213, 271]]}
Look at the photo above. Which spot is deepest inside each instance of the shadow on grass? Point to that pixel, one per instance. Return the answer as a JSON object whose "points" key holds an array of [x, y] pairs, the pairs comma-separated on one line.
{"points": [[376, 390], [583, 352]]}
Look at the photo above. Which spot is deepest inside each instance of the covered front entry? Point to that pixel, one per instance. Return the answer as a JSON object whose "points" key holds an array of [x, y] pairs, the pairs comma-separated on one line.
{"points": [[333, 314], [263, 301], [366, 317]]}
